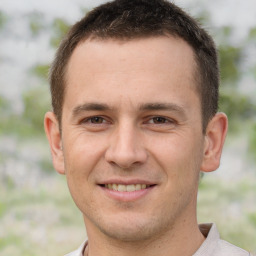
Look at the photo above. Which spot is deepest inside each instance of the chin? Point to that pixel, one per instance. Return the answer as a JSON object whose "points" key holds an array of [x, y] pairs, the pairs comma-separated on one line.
{"points": [[132, 229], [128, 234]]}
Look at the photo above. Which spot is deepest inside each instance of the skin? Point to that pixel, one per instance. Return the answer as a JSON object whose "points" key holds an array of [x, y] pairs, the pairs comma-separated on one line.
{"points": [[131, 114]]}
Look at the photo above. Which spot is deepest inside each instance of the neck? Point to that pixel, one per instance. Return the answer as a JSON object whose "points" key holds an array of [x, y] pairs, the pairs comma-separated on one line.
{"points": [[183, 239]]}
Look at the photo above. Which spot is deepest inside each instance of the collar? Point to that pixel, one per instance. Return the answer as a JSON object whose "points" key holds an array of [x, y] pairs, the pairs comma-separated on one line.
{"points": [[79, 251], [210, 232]]}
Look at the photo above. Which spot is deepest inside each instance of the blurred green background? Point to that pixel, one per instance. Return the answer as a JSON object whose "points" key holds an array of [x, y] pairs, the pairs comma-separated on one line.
{"points": [[37, 215]]}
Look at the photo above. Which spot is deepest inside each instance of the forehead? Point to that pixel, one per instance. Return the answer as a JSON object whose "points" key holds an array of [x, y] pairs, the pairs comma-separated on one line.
{"points": [[135, 66]]}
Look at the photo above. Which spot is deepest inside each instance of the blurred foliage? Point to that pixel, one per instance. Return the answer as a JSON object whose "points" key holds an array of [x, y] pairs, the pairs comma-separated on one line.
{"points": [[46, 165], [240, 108], [237, 107], [230, 58], [40, 71], [47, 212], [203, 17], [250, 45], [253, 71], [223, 35], [5, 114], [252, 33], [36, 104], [252, 218], [84, 10], [59, 29], [36, 23], [232, 208], [4, 104], [3, 19], [252, 142], [30, 121]]}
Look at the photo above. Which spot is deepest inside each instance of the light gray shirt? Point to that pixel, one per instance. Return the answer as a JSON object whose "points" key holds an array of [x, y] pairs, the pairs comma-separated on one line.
{"points": [[212, 246]]}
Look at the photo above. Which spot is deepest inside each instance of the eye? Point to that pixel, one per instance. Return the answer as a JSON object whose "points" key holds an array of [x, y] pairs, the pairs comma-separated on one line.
{"points": [[159, 120], [94, 120], [95, 123]]}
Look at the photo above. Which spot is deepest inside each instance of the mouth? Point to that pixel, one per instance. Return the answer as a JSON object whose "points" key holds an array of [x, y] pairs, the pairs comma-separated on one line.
{"points": [[126, 188], [127, 191]]}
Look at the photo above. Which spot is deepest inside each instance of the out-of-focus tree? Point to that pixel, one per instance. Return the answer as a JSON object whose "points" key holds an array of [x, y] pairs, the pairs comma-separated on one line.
{"points": [[36, 103], [41, 71], [252, 140], [59, 29], [239, 107], [251, 43], [4, 114], [3, 19], [36, 23]]}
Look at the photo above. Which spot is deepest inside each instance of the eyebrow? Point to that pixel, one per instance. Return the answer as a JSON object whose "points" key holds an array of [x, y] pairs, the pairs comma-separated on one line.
{"points": [[90, 107], [160, 106], [163, 106]]}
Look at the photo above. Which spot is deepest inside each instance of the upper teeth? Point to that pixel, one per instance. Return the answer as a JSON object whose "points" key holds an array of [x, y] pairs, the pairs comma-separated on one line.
{"points": [[126, 188]]}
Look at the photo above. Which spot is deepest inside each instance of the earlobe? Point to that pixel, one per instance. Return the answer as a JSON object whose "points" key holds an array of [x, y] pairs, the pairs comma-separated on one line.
{"points": [[52, 130], [214, 140]]}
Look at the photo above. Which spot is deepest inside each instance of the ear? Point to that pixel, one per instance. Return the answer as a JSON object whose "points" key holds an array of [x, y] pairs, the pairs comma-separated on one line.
{"points": [[214, 140], [51, 126]]}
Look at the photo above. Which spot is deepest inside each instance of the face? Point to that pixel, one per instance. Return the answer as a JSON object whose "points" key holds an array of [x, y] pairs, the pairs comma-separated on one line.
{"points": [[132, 141]]}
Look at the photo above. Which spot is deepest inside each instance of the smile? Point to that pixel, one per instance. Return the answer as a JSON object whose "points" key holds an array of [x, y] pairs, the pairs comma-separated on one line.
{"points": [[126, 188], [127, 191]]}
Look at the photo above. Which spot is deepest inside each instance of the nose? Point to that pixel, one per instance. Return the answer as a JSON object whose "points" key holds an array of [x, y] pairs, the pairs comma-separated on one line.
{"points": [[126, 148]]}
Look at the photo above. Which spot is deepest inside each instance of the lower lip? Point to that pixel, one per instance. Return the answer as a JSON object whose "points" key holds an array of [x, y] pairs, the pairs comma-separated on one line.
{"points": [[127, 196]]}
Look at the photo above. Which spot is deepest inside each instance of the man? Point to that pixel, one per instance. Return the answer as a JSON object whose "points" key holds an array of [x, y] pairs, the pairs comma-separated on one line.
{"points": [[135, 96]]}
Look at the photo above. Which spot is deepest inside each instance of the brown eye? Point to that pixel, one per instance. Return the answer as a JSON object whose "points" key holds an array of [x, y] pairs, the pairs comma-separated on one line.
{"points": [[96, 120], [159, 120]]}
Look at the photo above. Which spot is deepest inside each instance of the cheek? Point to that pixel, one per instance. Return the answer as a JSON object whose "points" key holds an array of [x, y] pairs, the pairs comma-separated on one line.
{"points": [[179, 155], [80, 158], [81, 155]]}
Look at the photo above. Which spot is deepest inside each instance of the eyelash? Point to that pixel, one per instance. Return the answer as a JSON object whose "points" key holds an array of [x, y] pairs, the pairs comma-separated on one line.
{"points": [[160, 120], [90, 120]]}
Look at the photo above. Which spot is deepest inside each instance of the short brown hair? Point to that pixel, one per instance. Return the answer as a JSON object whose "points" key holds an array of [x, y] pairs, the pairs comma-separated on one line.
{"points": [[130, 19]]}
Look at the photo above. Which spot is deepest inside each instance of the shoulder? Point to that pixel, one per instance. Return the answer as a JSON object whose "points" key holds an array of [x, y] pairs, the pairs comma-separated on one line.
{"points": [[226, 248], [215, 246]]}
